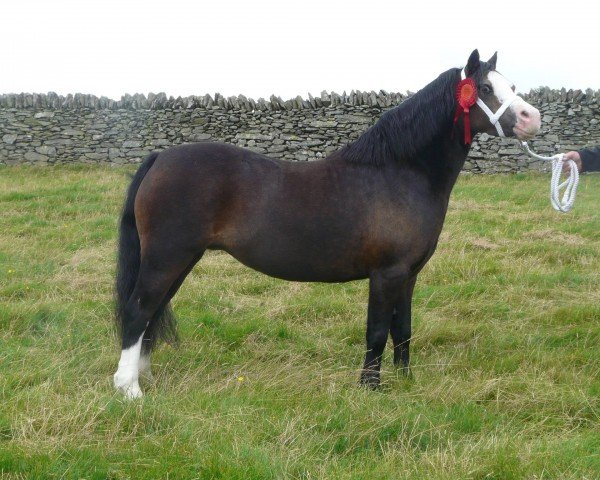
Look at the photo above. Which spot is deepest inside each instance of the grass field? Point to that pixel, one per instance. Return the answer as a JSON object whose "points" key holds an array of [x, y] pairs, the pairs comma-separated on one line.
{"points": [[505, 353]]}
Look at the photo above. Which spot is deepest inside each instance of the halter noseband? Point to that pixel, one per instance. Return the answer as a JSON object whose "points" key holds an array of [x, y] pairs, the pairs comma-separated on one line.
{"points": [[494, 117]]}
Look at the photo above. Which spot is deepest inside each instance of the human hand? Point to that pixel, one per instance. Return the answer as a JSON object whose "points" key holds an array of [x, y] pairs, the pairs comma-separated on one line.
{"points": [[571, 156]]}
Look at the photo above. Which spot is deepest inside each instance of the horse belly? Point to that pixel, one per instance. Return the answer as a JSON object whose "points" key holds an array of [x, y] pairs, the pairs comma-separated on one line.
{"points": [[304, 258], [329, 248]]}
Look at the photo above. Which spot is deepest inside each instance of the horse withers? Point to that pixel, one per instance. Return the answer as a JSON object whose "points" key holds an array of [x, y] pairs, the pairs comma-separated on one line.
{"points": [[374, 209]]}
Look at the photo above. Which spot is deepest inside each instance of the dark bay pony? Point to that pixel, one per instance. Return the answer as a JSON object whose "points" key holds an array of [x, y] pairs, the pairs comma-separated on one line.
{"points": [[373, 209]]}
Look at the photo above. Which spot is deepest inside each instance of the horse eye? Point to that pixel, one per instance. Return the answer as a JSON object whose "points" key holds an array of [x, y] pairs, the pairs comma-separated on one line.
{"points": [[486, 89]]}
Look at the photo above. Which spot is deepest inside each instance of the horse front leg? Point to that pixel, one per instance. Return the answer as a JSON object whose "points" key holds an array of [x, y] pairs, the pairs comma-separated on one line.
{"points": [[401, 326], [384, 290]]}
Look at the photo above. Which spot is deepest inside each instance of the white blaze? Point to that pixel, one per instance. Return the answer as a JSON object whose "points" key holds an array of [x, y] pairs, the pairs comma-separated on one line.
{"points": [[503, 89], [528, 117]]}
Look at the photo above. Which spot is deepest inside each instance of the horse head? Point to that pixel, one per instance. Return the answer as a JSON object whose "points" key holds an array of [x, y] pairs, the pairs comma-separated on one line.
{"points": [[499, 111]]}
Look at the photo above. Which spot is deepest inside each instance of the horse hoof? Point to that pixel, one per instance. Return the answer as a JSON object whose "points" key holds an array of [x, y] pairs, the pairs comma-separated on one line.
{"points": [[369, 380], [131, 392], [130, 388], [404, 368]]}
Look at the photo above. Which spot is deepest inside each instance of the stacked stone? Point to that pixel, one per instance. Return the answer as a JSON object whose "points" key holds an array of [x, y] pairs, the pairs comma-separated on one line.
{"points": [[49, 129]]}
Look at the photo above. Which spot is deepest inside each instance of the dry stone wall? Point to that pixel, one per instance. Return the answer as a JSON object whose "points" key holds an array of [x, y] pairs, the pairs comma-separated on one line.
{"points": [[50, 129]]}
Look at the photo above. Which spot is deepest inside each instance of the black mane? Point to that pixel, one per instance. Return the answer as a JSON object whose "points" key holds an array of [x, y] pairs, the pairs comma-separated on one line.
{"points": [[406, 129]]}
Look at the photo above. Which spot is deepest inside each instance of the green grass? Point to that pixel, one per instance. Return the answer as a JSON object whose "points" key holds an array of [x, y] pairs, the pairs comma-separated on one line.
{"points": [[264, 384]]}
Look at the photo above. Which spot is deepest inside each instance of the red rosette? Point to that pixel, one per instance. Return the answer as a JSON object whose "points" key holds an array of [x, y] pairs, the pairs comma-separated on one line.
{"points": [[466, 95]]}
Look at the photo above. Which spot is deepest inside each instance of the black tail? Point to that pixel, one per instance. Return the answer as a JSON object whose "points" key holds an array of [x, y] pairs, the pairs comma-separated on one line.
{"points": [[128, 266]]}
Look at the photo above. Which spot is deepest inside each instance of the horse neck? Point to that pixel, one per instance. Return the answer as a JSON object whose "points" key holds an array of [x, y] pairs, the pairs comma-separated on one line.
{"points": [[439, 162], [418, 135], [441, 154], [403, 132], [446, 159]]}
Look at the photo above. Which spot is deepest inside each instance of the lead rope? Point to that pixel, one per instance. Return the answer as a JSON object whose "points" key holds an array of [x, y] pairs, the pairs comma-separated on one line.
{"points": [[570, 184]]}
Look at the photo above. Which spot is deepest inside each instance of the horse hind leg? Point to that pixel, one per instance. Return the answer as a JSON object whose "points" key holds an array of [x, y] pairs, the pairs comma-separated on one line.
{"points": [[144, 316], [164, 327]]}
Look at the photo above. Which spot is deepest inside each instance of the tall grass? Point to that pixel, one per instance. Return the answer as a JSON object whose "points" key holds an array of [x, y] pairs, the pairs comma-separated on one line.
{"points": [[264, 384]]}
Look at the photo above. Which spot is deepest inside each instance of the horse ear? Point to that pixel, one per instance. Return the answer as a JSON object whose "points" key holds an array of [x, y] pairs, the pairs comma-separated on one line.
{"points": [[473, 63], [492, 61]]}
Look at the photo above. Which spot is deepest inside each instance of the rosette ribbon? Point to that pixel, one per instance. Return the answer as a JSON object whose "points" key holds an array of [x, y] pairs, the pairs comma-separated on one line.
{"points": [[466, 95]]}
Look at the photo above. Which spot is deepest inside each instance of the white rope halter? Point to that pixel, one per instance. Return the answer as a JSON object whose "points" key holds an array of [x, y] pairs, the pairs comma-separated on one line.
{"points": [[570, 184], [494, 117]]}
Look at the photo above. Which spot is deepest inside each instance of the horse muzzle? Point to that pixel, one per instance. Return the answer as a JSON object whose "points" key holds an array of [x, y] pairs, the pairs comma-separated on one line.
{"points": [[529, 121]]}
